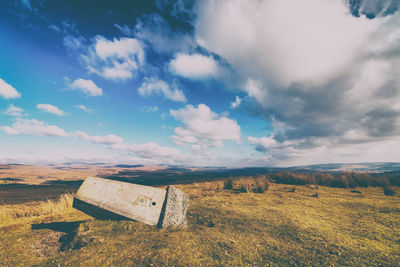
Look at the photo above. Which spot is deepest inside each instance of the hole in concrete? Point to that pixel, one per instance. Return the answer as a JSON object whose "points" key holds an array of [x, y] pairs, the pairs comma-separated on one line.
{"points": [[154, 203]]}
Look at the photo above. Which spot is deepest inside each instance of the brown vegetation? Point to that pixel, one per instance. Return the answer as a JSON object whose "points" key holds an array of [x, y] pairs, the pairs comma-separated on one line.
{"points": [[228, 185], [247, 184], [388, 190], [340, 179]]}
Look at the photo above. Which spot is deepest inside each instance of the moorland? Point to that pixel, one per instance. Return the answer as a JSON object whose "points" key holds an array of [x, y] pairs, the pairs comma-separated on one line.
{"points": [[280, 218]]}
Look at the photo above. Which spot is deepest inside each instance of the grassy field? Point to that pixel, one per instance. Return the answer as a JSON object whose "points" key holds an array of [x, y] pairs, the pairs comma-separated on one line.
{"points": [[285, 226]]}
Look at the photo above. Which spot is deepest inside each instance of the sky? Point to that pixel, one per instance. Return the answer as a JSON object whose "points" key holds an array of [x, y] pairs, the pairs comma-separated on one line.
{"points": [[200, 83]]}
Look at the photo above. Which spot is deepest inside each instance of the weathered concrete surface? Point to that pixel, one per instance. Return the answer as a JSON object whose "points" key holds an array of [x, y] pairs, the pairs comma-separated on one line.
{"points": [[175, 208], [108, 199], [137, 202]]}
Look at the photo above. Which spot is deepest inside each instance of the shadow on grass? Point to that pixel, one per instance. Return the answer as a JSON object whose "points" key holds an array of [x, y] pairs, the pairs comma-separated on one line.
{"points": [[66, 236], [10, 179], [62, 182], [65, 227]]}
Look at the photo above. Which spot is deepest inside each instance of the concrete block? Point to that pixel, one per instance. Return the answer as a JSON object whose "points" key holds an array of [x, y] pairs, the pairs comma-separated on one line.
{"points": [[108, 199], [175, 208]]}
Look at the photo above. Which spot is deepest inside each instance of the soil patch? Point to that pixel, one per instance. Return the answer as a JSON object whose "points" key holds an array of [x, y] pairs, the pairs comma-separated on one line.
{"points": [[52, 238]]}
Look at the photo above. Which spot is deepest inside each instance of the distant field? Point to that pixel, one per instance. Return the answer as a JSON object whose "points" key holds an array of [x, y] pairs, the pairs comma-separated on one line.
{"points": [[287, 225], [56, 174], [24, 183]]}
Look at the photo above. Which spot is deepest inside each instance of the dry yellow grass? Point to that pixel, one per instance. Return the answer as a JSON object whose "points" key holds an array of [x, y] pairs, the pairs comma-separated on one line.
{"points": [[14, 214], [280, 227]]}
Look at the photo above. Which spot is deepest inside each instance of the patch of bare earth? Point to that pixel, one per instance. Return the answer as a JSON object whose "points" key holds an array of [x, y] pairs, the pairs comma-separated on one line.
{"points": [[48, 243], [53, 238]]}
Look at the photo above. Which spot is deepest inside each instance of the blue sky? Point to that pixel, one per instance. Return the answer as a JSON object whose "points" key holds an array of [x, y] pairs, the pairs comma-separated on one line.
{"points": [[207, 83]]}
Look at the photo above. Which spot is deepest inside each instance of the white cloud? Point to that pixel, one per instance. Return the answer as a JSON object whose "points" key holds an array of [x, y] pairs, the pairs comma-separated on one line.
{"points": [[263, 143], [86, 86], [371, 78], [33, 127], [116, 59], [50, 109], [330, 151], [124, 29], [270, 144], [327, 78], [154, 30], [40, 128], [106, 140], [150, 150], [195, 66], [73, 43], [202, 126], [119, 48], [236, 103], [7, 91], [14, 111], [84, 108], [255, 89], [307, 41], [154, 86]]}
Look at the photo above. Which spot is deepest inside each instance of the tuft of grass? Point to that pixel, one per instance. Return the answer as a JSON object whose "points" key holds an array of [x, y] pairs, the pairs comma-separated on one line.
{"points": [[388, 190], [262, 184], [10, 214], [245, 184], [250, 184], [228, 184]]}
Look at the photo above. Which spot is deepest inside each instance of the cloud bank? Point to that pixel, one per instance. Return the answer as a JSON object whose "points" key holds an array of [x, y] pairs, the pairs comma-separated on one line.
{"points": [[33, 127], [110, 139], [319, 75]]}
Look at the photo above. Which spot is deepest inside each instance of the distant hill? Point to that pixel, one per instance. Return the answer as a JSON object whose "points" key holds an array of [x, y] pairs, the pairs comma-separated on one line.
{"points": [[158, 175], [178, 174], [371, 167]]}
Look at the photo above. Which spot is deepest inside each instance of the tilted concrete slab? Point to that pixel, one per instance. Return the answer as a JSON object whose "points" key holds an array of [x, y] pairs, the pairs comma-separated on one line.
{"points": [[108, 199]]}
